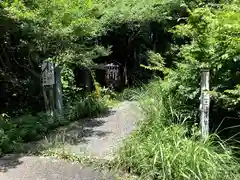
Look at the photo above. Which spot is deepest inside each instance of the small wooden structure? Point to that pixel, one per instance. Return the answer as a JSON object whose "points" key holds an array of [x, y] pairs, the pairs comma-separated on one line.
{"points": [[110, 75], [113, 75]]}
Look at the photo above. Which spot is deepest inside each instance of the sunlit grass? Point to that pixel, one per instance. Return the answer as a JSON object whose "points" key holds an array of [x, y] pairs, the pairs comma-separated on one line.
{"points": [[164, 147]]}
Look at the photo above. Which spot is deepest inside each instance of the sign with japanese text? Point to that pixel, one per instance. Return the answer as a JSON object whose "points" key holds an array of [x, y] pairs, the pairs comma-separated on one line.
{"points": [[48, 73]]}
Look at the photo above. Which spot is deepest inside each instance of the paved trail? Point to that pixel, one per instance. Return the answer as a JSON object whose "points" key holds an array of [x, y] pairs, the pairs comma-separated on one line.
{"points": [[99, 137], [103, 135]]}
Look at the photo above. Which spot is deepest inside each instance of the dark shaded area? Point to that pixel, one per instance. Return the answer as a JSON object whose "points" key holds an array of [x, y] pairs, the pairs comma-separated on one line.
{"points": [[9, 162], [226, 123], [225, 117], [130, 43], [20, 89]]}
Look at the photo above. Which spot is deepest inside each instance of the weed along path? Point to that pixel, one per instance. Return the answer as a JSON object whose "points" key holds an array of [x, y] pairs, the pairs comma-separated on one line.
{"points": [[98, 138]]}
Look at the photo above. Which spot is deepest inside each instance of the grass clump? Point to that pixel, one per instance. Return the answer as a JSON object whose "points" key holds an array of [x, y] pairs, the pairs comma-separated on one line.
{"points": [[131, 94], [164, 147], [62, 153]]}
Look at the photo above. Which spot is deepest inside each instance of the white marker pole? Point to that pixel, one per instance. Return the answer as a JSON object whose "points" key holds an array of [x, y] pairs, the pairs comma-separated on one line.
{"points": [[204, 103]]}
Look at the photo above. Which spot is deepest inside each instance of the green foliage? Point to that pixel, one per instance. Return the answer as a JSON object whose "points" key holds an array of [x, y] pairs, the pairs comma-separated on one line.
{"points": [[131, 93], [85, 107], [215, 44], [165, 148], [58, 28], [166, 145], [66, 31], [156, 63], [73, 33]]}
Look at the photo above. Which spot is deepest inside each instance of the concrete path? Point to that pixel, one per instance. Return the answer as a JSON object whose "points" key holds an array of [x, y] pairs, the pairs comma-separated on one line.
{"points": [[37, 168], [99, 137], [103, 136]]}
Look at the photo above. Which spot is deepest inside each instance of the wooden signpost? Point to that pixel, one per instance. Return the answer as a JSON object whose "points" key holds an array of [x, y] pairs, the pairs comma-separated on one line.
{"points": [[204, 103], [52, 88]]}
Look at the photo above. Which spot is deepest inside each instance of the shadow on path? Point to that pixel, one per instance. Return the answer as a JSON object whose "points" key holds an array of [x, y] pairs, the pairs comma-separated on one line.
{"points": [[72, 134], [10, 161]]}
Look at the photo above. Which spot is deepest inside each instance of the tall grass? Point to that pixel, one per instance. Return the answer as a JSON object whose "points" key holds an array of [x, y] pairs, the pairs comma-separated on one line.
{"points": [[165, 148], [131, 94]]}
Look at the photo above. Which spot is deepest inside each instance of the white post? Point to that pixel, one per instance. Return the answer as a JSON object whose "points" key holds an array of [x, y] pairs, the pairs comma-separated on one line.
{"points": [[204, 103]]}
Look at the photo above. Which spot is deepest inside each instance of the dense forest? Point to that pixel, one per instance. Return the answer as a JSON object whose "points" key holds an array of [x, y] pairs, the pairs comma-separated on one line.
{"points": [[79, 34], [163, 44]]}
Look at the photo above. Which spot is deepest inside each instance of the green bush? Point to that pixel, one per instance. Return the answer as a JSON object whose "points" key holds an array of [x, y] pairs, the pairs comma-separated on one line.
{"points": [[214, 44], [164, 147], [85, 107]]}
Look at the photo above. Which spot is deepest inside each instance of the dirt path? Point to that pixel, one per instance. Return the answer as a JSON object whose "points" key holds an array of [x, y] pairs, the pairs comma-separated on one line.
{"points": [[99, 137]]}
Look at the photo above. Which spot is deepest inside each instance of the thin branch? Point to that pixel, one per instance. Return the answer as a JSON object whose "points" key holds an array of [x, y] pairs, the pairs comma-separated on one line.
{"points": [[27, 68]]}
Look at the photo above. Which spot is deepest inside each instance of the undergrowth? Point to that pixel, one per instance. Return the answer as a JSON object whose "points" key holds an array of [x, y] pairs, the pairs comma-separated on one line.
{"points": [[61, 153], [104, 165], [130, 94], [165, 147], [15, 131]]}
